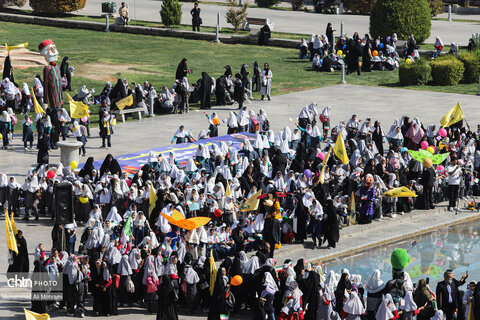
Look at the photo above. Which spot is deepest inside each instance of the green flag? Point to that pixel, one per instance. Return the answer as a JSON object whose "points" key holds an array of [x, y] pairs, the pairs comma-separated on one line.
{"points": [[128, 226]]}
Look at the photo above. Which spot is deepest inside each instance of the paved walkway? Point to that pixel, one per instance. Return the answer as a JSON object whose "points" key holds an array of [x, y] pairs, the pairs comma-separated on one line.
{"points": [[290, 21], [384, 104]]}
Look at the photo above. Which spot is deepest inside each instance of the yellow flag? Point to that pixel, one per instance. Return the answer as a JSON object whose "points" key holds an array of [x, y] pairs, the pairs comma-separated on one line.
{"points": [[12, 223], [22, 45], [125, 102], [453, 116], [77, 109], [324, 164], [152, 200], [339, 149], [470, 315], [251, 203], [353, 211], [401, 192], [30, 315], [11, 240], [228, 192], [38, 107], [213, 272]]}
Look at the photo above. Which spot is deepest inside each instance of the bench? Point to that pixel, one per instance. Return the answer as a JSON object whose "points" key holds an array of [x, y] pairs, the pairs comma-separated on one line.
{"points": [[136, 113], [257, 21]]}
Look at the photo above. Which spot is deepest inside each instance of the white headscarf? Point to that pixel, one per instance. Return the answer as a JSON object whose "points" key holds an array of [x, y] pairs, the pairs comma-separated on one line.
{"points": [[354, 305], [251, 266], [9, 87], [202, 151], [113, 215], [326, 111], [5, 117], [438, 315], [383, 312], [270, 282], [409, 304], [124, 268], [375, 284], [438, 42]]}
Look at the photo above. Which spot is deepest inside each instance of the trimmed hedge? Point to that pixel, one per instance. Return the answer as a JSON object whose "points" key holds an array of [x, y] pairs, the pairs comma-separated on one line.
{"points": [[267, 3], [447, 71], [436, 7], [415, 73], [359, 6], [404, 17], [297, 5], [57, 6], [471, 62], [18, 3]]}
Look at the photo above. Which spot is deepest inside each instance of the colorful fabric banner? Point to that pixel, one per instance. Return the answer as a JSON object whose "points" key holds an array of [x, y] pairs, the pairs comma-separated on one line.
{"points": [[130, 163]]}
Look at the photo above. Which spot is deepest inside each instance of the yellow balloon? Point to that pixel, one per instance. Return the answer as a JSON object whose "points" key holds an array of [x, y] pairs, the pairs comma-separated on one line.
{"points": [[83, 199], [431, 149], [1, 136], [408, 61], [73, 165], [340, 52]]}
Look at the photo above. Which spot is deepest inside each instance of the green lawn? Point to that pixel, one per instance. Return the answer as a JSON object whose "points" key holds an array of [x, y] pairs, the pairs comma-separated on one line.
{"points": [[154, 59]]}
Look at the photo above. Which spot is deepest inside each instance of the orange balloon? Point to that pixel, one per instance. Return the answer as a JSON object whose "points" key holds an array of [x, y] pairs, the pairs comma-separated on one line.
{"points": [[236, 280], [375, 53], [216, 121]]}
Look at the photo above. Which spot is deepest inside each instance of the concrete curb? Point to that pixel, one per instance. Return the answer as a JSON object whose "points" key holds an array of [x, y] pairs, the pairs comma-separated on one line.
{"points": [[151, 31]]}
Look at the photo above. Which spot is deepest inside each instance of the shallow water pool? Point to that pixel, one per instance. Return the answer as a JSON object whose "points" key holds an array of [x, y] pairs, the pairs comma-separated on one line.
{"points": [[456, 248]]}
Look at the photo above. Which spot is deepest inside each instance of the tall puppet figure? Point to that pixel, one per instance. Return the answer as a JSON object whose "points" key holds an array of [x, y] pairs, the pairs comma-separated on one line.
{"points": [[51, 74], [52, 88]]}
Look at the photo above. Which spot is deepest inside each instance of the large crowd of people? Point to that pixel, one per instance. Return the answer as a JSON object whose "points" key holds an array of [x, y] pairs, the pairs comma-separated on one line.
{"points": [[282, 187], [126, 245]]}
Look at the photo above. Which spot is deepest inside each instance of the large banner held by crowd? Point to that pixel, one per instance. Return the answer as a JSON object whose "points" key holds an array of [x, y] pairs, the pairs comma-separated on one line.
{"points": [[183, 151]]}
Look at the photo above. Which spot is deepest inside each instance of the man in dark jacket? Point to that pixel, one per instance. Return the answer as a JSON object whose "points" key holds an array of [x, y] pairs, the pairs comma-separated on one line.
{"points": [[271, 231], [428, 177], [447, 294]]}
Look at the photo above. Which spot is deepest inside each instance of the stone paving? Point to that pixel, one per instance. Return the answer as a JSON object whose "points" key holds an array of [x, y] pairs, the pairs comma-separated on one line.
{"points": [[384, 104]]}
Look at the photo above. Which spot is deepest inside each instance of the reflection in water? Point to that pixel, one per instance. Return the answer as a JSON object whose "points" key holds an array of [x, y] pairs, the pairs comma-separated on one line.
{"points": [[455, 248]]}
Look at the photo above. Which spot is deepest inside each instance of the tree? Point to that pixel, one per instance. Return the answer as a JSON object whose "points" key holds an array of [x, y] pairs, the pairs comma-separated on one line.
{"points": [[403, 17], [171, 12], [236, 15], [57, 6], [17, 3]]}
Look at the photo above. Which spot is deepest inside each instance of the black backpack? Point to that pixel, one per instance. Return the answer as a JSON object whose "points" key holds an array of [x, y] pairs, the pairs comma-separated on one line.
{"points": [[266, 125]]}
